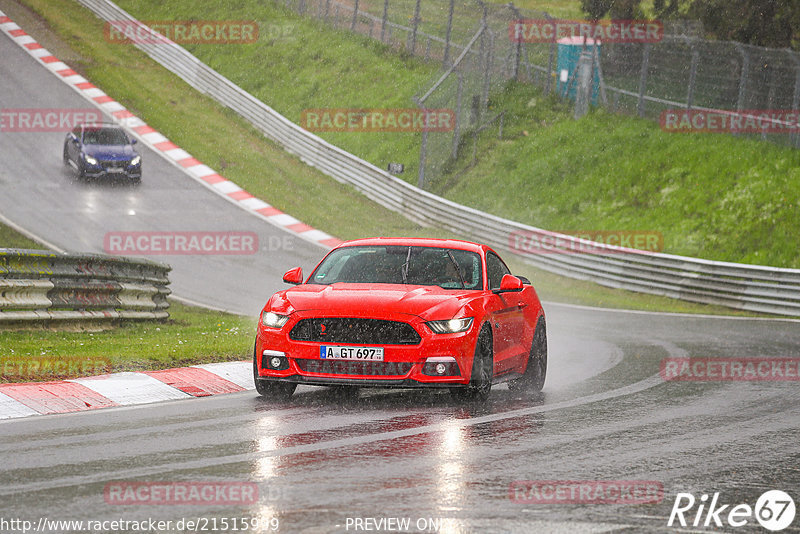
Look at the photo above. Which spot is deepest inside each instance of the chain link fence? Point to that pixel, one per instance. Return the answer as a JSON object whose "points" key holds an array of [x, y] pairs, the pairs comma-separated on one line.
{"points": [[472, 41]]}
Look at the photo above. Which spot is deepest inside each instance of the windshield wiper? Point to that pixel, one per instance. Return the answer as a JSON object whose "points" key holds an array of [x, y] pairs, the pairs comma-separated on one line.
{"points": [[404, 269], [458, 269]]}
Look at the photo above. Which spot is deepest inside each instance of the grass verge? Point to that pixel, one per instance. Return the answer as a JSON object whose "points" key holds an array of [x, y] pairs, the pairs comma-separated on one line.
{"points": [[190, 336]]}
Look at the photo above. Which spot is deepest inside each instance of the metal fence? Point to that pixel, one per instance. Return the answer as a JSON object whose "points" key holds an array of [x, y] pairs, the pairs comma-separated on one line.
{"points": [[746, 287], [49, 287], [471, 40]]}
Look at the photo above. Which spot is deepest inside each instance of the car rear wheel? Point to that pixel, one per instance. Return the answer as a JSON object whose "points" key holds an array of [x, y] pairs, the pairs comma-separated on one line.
{"points": [[274, 390], [536, 371], [480, 384]]}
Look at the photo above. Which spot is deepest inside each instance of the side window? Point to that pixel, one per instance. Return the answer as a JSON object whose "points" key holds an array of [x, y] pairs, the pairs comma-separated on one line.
{"points": [[495, 269], [77, 132]]}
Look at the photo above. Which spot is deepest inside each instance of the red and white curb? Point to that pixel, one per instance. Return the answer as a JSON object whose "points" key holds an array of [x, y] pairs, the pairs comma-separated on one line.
{"points": [[160, 144], [124, 389]]}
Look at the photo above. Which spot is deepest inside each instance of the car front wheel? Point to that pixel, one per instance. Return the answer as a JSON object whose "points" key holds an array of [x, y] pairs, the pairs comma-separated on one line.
{"points": [[480, 384], [273, 390], [536, 371]]}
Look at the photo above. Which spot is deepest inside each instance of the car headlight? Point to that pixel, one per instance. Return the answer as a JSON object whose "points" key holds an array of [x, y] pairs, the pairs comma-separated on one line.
{"points": [[273, 320], [452, 326], [89, 159], [136, 160]]}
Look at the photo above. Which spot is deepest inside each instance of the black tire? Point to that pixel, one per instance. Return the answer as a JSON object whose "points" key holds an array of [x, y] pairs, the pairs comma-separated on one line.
{"points": [[81, 171], [273, 390], [65, 157], [532, 380], [480, 383]]}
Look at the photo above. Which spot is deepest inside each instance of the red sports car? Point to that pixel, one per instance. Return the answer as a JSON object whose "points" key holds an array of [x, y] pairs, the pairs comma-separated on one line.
{"points": [[403, 312]]}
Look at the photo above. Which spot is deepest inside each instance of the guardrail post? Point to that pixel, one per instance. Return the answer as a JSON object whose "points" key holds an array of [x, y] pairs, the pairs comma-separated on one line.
{"points": [[457, 128], [742, 77], [549, 86], [448, 33], [413, 36], [795, 137], [583, 91], [518, 47], [487, 79], [384, 20], [692, 77], [423, 148], [355, 17], [643, 79]]}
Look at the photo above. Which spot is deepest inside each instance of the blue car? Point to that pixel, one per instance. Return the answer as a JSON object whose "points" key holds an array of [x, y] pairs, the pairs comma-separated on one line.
{"points": [[102, 150]]}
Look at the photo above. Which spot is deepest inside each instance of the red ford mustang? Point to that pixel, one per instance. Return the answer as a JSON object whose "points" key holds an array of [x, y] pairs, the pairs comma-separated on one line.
{"points": [[403, 312]]}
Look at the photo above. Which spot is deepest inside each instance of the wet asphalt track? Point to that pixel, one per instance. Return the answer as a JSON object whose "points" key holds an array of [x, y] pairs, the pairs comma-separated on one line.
{"points": [[322, 458]]}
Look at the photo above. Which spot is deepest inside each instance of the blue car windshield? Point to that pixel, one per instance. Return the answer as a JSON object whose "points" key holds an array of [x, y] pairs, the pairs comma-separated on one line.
{"points": [[104, 136], [427, 266]]}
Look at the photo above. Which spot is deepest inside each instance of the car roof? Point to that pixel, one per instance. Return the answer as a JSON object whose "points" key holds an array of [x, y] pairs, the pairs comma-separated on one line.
{"points": [[417, 242]]}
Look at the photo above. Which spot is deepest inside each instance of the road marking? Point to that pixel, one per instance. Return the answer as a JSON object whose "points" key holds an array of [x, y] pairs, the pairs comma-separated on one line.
{"points": [[637, 387]]}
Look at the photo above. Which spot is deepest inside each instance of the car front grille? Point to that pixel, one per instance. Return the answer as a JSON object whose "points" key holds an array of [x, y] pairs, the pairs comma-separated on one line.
{"points": [[341, 367], [113, 164], [355, 330]]}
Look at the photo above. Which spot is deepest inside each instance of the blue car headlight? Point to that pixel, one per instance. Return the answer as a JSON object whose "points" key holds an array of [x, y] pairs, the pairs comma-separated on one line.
{"points": [[89, 159], [135, 161]]}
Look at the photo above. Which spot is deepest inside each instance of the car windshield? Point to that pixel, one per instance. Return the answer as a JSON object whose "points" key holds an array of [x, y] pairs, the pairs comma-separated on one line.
{"points": [[104, 136], [427, 266]]}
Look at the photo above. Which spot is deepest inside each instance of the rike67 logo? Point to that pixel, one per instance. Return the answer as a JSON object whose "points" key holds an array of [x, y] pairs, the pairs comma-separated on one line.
{"points": [[774, 510]]}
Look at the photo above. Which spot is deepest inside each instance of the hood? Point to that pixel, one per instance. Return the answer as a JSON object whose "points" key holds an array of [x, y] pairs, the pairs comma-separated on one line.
{"points": [[110, 152], [375, 300]]}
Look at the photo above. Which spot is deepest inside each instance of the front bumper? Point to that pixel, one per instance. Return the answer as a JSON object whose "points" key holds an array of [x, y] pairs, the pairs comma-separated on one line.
{"points": [[112, 170], [403, 365]]}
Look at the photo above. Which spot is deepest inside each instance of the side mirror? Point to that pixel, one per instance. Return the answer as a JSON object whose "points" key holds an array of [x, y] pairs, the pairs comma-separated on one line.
{"points": [[134, 140], [509, 284], [294, 276]]}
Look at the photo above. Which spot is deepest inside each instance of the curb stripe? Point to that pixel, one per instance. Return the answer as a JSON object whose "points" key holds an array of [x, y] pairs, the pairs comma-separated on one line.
{"points": [[56, 397], [195, 381], [131, 388], [11, 408]]}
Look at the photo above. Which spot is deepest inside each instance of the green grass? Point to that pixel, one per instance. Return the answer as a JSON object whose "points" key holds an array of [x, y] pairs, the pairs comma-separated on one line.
{"points": [[10, 238], [225, 142], [190, 336], [712, 196]]}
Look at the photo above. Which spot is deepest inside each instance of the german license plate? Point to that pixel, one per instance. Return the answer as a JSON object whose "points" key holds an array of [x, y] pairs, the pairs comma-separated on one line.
{"points": [[362, 354], [116, 169]]}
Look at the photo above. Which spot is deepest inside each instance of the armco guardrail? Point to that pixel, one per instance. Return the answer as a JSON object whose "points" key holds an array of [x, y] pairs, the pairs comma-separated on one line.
{"points": [[746, 287], [44, 286]]}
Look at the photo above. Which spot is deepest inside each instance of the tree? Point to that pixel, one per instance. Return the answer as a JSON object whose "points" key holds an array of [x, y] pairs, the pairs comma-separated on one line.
{"points": [[759, 22], [596, 9]]}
